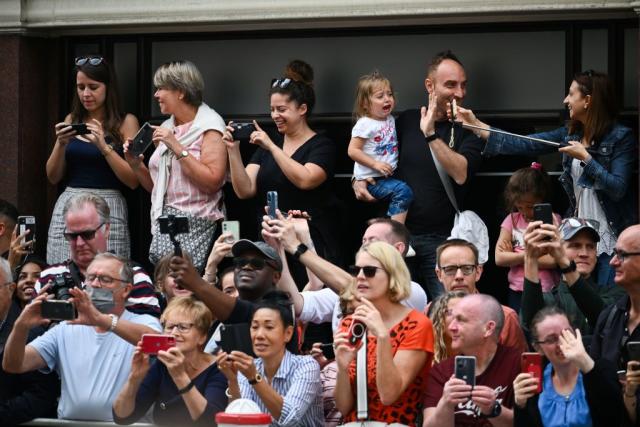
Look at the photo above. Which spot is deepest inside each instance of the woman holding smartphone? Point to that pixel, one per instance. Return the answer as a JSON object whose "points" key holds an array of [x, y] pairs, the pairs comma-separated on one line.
{"points": [[576, 390], [299, 168], [399, 339], [184, 382], [188, 167], [89, 157], [597, 161]]}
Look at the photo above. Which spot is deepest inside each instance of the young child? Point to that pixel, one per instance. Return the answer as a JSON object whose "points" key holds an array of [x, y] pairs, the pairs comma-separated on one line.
{"points": [[526, 187], [374, 145]]}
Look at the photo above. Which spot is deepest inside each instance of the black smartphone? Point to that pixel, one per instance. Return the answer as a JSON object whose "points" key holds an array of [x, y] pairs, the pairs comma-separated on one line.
{"points": [[27, 223], [272, 203], [142, 140], [633, 350], [173, 224], [543, 212], [58, 310], [327, 350], [236, 337], [242, 131], [80, 128], [465, 369]]}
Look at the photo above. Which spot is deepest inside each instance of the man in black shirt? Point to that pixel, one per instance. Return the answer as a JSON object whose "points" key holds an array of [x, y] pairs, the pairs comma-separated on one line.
{"points": [[421, 133]]}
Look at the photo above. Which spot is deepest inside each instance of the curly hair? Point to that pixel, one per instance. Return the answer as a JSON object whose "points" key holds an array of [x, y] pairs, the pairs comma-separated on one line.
{"points": [[438, 314]]}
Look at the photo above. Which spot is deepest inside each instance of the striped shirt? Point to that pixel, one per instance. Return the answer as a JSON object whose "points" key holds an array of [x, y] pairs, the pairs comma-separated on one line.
{"points": [[298, 382]]}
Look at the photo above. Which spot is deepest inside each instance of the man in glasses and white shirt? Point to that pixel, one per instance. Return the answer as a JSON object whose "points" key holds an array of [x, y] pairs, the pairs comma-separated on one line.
{"points": [[91, 353], [458, 269], [87, 224]]}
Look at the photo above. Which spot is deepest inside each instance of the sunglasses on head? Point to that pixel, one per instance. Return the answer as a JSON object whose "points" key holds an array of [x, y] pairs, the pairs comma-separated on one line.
{"points": [[368, 270], [91, 60], [254, 263], [281, 83], [86, 234]]}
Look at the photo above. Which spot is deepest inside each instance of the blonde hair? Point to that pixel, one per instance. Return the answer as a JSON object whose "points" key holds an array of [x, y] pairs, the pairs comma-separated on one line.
{"points": [[365, 88], [438, 314], [392, 262], [182, 76], [188, 305]]}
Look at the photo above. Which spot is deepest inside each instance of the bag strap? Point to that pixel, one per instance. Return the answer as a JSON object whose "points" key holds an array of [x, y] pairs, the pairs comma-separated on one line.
{"points": [[446, 181], [362, 407]]}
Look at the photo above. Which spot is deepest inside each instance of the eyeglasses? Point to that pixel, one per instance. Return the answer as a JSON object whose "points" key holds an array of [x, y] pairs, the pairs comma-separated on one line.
{"points": [[281, 83], [92, 60], [368, 270], [103, 279], [254, 263], [622, 255], [550, 340], [183, 328], [86, 234], [451, 270]]}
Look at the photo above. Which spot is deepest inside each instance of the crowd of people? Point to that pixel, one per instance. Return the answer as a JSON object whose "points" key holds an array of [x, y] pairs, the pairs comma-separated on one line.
{"points": [[88, 334]]}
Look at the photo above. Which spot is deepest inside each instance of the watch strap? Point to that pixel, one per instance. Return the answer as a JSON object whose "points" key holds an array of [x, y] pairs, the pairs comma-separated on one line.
{"points": [[256, 379], [114, 322], [431, 137], [302, 248], [186, 388]]}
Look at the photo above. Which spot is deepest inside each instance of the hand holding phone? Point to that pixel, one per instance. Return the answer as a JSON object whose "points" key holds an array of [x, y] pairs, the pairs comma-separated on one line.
{"points": [[142, 140], [242, 131], [153, 343], [272, 203], [532, 364], [27, 223], [543, 212], [232, 227]]}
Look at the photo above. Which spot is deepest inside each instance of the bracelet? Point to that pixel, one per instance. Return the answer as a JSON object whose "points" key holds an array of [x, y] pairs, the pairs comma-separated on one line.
{"points": [[228, 393], [114, 322], [186, 388], [107, 150]]}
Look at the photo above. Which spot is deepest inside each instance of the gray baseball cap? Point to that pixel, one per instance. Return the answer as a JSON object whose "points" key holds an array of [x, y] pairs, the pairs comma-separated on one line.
{"points": [[244, 245], [569, 227]]}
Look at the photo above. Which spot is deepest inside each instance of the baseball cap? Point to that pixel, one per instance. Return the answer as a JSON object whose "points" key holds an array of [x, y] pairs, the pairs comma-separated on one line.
{"points": [[244, 245], [569, 227]]}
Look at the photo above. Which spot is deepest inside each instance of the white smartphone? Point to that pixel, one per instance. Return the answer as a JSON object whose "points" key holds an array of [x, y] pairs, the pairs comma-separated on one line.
{"points": [[232, 227]]}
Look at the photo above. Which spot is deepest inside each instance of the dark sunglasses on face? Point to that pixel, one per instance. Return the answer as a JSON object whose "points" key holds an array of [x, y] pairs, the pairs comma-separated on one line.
{"points": [[91, 60], [281, 83], [368, 270], [86, 234], [254, 263]]}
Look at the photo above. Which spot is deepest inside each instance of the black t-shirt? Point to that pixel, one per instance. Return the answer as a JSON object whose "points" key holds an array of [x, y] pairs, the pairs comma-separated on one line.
{"points": [[431, 210], [318, 150]]}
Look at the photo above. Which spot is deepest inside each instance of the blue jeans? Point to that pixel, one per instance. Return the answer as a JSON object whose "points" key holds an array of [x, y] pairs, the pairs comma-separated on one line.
{"points": [[604, 273], [423, 264], [398, 191]]}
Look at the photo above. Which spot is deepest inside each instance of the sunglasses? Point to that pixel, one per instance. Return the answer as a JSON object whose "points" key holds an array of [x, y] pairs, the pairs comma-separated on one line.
{"points": [[86, 234], [91, 60], [281, 83], [254, 263], [368, 270]]}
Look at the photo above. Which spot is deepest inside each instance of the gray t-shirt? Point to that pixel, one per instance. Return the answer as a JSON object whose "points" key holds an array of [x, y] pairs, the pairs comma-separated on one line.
{"points": [[93, 367]]}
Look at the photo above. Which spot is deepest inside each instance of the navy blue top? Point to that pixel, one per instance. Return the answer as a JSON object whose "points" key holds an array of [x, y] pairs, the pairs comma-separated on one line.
{"points": [[158, 387], [87, 167]]}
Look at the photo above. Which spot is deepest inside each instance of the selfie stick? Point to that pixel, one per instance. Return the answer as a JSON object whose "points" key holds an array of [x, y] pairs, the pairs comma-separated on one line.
{"points": [[362, 408], [543, 141], [177, 250]]}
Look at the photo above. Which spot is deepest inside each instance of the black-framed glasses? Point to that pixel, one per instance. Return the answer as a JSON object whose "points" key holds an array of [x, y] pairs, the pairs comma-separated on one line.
{"points": [[254, 263], [86, 234], [451, 270], [91, 60], [550, 340], [281, 83], [102, 278], [622, 255], [368, 270], [183, 328]]}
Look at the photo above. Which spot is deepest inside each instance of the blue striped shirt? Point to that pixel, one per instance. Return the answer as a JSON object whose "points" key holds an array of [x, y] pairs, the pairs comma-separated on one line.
{"points": [[298, 382]]}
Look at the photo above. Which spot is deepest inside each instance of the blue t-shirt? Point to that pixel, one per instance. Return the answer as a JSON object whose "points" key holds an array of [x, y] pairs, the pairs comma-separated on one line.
{"points": [[557, 410], [93, 367], [86, 167]]}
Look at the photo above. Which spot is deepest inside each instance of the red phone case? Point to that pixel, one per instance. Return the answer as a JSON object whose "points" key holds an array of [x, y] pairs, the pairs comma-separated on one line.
{"points": [[152, 343], [532, 363]]}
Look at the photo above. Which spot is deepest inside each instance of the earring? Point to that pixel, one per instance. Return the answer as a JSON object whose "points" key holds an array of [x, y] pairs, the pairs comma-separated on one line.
{"points": [[586, 106]]}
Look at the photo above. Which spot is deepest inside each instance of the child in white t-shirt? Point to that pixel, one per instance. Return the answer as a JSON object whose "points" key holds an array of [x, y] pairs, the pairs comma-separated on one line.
{"points": [[374, 145]]}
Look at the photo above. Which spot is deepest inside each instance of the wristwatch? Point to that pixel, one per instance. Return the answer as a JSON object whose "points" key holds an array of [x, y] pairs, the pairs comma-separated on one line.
{"points": [[431, 137], [570, 268], [256, 379], [114, 322], [495, 412], [183, 154], [302, 248]]}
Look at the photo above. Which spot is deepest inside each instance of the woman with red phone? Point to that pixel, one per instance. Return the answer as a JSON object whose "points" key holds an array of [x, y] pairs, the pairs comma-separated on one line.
{"points": [[575, 389]]}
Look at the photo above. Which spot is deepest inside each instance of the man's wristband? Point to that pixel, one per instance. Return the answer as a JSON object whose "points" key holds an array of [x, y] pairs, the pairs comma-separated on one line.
{"points": [[114, 322], [186, 388], [302, 248], [495, 411], [431, 137]]}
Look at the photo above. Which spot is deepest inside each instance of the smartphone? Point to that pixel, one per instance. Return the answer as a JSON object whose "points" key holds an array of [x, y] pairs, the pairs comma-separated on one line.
{"points": [[142, 140], [173, 224], [27, 223], [232, 227], [58, 310], [236, 337], [454, 109], [272, 203], [152, 343], [80, 128], [242, 131], [465, 369], [356, 332], [327, 350], [532, 363], [543, 212], [633, 350]]}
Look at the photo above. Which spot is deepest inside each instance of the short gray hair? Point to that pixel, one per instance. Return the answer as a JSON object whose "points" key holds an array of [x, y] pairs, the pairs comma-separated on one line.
{"points": [[492, 311], [126, 271], [182, 76], [78, 201], [5, 269]]}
